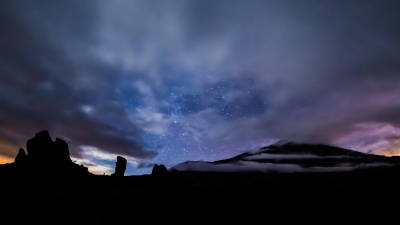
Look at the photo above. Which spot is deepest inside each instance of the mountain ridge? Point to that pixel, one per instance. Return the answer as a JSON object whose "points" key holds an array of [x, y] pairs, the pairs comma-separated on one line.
{"points": [[292, 157]]}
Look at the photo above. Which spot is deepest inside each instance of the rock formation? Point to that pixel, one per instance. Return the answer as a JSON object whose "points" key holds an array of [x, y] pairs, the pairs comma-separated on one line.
{"points": [[159, 170], [46, 157], [120, 167], [21, 156]]}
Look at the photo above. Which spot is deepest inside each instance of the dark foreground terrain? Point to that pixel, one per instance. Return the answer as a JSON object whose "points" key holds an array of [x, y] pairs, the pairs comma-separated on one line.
{"points": [[251, 197], [279, 179]]}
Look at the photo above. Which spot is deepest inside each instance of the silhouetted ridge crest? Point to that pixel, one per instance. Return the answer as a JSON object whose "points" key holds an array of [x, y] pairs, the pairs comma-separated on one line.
{"points": [[317, 149], [290, 157]]}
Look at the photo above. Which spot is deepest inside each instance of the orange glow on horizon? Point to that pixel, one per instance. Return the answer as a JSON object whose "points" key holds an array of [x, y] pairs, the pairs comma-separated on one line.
{"points": [[5, 159], [7, 152], [389, 152]]}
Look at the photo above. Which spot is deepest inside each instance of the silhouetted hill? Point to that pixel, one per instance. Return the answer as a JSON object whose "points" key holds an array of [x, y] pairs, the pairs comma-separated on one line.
{"points": [[292, 158]]}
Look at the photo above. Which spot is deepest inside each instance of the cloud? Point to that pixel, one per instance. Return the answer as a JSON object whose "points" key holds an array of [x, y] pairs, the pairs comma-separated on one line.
{"points": [[169, 82], [102, 162], [94, 167], [378, 138], [45, 86]]}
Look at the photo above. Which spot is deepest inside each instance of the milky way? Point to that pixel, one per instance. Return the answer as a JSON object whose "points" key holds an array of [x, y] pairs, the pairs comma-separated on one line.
{"points": [[170, 81]]}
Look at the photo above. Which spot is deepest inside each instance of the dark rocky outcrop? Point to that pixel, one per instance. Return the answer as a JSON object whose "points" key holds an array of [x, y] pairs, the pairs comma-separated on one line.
{"points": [[159, 170], [120, 167], [62, 155], [46, 158], [21, 157], [39, 147]]}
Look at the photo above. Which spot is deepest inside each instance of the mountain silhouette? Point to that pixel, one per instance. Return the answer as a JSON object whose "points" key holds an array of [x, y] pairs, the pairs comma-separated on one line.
{"points": [[291, 158]]}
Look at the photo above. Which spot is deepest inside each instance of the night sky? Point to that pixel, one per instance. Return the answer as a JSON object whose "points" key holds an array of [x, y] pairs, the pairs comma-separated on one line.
{"points": [[170, 81]]}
